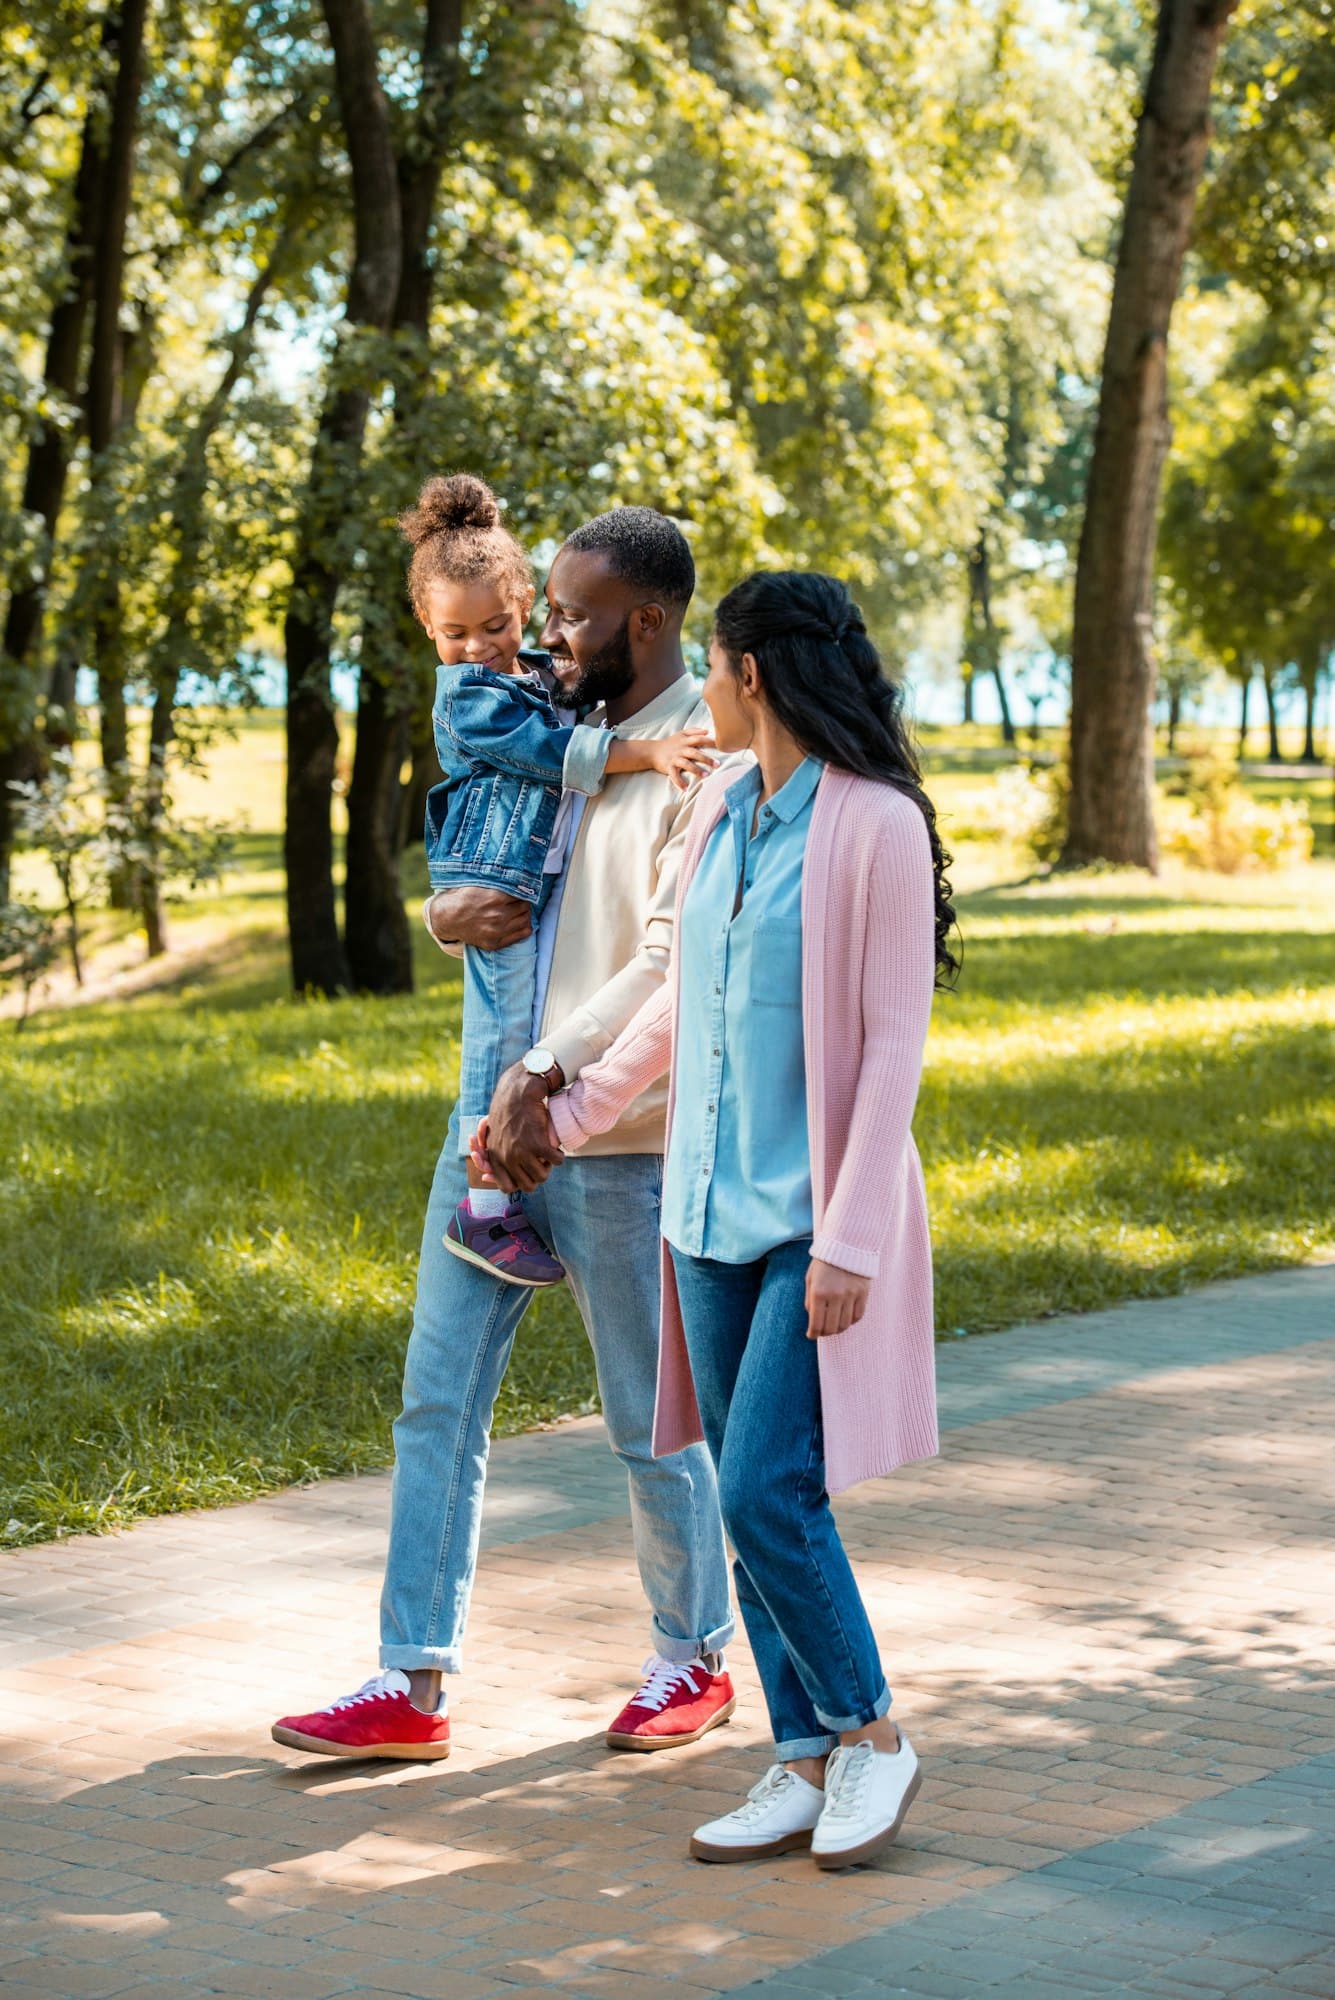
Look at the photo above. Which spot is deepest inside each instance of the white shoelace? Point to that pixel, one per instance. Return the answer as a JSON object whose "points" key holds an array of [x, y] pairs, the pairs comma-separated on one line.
{"points": [[391, 1682], [762, 1796], [846, 1777], [661, 1680]]}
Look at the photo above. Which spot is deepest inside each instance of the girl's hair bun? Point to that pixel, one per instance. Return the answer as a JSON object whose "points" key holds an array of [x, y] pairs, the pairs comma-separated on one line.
{"points": [[449, 505]]}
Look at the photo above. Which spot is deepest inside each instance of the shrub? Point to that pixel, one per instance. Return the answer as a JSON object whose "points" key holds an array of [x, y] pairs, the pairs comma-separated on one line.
{"points": [[1028, 807], [1208, 820]]}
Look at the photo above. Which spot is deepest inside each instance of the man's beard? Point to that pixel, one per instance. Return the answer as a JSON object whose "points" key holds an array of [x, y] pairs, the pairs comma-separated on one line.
{"points": [[609, 674]]}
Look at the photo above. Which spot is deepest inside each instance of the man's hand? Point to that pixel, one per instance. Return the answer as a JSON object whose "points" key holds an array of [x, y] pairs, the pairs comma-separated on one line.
{"points": [[521, 1150], [486, 918], [836, 1299]]}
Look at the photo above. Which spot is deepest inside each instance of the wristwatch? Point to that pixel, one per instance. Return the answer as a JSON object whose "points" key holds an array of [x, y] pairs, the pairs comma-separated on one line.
{"points": [[540, 1062]]}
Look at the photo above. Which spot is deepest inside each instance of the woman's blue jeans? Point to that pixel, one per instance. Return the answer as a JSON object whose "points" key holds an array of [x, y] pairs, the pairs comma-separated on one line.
{"points": [[757, 1383]]}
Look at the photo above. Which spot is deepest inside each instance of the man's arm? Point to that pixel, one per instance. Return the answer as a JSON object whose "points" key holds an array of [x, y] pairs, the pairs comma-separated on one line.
{"points": [[522, 1145], [593, 1027]]}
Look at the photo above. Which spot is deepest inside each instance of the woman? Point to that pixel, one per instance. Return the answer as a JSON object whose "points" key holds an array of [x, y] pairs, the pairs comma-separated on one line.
{"points": [[812, 924]]}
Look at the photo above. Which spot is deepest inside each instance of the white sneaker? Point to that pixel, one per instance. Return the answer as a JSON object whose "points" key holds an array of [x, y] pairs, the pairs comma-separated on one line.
{"points": [[867, 1793], [778, 1815]]}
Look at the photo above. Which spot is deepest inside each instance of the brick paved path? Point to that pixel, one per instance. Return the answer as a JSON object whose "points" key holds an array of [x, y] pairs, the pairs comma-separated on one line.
{"points": [[1106, 1614]]}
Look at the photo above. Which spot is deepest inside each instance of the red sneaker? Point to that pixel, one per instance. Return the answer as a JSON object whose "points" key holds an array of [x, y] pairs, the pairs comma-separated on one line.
{"points": [[674, 1704], [378, 1721]]}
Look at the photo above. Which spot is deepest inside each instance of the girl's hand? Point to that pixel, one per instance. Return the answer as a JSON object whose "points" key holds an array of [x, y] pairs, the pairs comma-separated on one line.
{"points": [[688, 755], [479, 1156], [836, 1299]]}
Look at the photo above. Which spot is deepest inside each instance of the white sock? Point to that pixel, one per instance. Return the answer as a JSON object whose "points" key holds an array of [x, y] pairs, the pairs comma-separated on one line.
{"points": [[487, 1202]]}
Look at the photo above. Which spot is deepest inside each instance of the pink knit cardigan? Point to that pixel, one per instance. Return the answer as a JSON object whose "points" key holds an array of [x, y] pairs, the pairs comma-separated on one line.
{"points": [[867, 976]]}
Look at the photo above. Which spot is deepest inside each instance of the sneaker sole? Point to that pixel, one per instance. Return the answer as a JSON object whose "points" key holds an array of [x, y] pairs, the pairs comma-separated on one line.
{"points": [[701, 1850], [617, 1740], [483, 1264], [849, 1857], [417, 1753]]}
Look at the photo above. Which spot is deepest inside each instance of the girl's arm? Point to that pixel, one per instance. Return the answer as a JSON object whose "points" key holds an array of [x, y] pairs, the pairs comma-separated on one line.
{"points": [[488, 723], [638, 1057], [491, 724], [898, 977], [684, 757]]}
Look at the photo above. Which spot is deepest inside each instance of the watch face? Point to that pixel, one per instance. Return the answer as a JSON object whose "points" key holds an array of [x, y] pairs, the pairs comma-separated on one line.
{"points": [[538, 1061]]}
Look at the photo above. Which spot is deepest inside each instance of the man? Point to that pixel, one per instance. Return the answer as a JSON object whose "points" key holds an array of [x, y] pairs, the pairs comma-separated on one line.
{"points": [[616, 596]]}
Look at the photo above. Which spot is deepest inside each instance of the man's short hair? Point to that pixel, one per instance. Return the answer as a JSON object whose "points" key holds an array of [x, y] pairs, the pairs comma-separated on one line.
{"points": [[644, 548]]}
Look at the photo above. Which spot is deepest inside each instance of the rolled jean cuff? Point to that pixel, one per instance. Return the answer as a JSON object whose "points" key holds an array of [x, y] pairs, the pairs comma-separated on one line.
{"points": [[843, 1723], [436, 1659], [794, 1747], [682, 1652]]}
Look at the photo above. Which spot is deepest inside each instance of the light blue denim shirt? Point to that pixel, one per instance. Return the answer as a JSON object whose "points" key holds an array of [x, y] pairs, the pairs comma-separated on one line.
{"points": [[738, 1176]]}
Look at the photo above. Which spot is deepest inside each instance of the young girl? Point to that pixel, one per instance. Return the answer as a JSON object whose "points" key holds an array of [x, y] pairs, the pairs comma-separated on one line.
{"points": [[512, 757]]}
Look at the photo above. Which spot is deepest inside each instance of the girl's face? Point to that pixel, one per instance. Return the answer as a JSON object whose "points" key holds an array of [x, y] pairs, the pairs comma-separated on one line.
{"points": [[732, 696], [475, 624]]}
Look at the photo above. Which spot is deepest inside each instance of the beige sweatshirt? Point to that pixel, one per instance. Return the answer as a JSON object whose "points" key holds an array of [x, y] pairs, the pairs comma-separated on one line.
{"points": [[614, 932]]}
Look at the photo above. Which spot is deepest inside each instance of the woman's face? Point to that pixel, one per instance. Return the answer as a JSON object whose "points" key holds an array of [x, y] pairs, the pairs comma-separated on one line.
{"points": [[732, 697]]}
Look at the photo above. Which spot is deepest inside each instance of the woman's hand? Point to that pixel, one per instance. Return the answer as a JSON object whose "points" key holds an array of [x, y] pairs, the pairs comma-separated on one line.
{"points": [[836, 1299], [688, 755]]}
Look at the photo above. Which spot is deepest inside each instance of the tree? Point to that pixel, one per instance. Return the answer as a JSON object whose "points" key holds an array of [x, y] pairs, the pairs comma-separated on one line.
{"points": [[318, 961], [48, 452], [376, 932], [1111, 812]]}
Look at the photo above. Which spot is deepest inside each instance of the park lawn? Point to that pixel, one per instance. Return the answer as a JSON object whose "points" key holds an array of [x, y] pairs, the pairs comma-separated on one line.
{"points": [[212, 1195]]}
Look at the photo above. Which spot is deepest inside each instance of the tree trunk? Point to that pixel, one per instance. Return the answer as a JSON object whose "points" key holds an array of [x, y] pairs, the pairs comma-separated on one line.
{"points": [[1111, 813], [378, 935], [44, 479], [318, 962], [966, 676], [103, 397], [984, 639], [186, 511], [149, 886], [1311, 675], [1174, 718], [377, 932], [425, 773], [1271, 715], [1243, 716]]}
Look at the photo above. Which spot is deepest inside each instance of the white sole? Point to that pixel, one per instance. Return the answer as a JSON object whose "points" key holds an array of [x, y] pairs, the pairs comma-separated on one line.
{"points": [[482, 1264], [849, 1857]]}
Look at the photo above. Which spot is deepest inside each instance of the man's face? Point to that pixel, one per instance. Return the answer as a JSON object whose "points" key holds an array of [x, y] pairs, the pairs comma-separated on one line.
{"points": [[588, 628]]}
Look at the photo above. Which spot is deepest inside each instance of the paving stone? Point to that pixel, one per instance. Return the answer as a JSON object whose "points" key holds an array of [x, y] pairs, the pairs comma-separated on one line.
{"points": [[1107, 1624]]}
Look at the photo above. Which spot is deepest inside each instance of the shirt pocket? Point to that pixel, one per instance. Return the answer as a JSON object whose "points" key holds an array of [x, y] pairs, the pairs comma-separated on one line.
{"points": [[776, 962]]}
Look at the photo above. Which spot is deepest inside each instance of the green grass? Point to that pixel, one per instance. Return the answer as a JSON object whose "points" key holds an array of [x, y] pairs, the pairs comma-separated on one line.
{"points": [[212, 1196]]}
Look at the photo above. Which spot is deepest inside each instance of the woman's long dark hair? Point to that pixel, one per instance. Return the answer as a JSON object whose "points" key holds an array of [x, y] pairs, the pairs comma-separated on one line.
{"points": [[824, 680]]}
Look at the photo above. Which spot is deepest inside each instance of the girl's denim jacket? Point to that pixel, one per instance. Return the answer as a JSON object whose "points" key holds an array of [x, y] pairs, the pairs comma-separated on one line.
{"points": [[506, 756]]}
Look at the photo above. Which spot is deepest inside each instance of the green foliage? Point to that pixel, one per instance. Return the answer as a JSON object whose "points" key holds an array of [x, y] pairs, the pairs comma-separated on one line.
{"points": [[28, 946]]}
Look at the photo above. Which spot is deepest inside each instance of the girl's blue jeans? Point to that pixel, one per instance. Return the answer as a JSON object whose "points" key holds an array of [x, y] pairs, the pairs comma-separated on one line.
{"points": [[758, 1387], [497, 1024]]}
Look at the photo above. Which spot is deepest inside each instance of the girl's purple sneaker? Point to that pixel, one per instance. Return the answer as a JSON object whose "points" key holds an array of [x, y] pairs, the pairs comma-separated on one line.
{"points": [[506, 1245]]}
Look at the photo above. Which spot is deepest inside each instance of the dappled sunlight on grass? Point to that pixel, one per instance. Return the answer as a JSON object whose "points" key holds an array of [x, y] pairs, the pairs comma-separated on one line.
{"points": [[212, 1196]]}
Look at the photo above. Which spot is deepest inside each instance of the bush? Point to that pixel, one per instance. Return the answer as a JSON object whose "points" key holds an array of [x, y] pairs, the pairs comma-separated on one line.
{"points": [[1028, 808], [1207, 819]]}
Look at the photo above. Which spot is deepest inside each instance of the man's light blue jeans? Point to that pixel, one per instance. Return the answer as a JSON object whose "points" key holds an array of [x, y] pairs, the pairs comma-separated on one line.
{"points": [[601, 1218]]}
